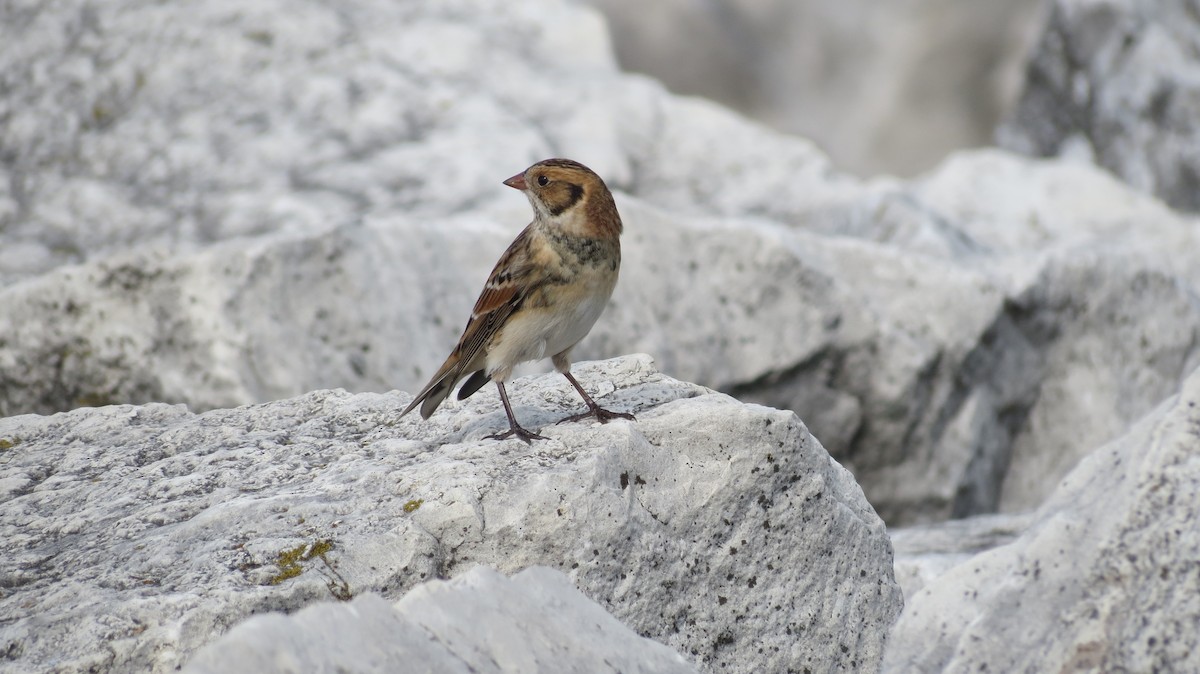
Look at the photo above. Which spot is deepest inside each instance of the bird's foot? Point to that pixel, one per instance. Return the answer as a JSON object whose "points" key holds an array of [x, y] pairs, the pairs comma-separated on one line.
{"points": [[599, 414], [526, 435]]}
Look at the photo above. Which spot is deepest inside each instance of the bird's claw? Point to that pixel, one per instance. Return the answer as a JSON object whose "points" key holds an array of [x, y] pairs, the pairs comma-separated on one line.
{"points": [[599, 414], [523, 434]]}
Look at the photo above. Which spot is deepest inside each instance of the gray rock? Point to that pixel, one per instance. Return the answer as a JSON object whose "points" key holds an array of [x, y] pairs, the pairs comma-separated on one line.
{"points": [[137, 535], [925, 552], [129, 123], [1118, 83], [478, 622], [952, 365], [1104, 579], [931, 333], [240, 322], [984, 298], [1100, 323]]}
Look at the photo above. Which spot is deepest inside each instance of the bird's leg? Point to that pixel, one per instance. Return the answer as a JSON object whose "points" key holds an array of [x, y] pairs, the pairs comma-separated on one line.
{"points": [[513, 427], [599, 413]]}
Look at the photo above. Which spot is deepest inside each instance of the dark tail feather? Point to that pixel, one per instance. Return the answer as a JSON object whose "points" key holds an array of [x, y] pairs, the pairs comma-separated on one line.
{"points": [[473, 384], [433, 394]]}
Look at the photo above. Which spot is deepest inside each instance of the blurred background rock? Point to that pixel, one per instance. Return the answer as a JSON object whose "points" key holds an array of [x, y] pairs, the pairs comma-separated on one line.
{"points": [[883, 87]]}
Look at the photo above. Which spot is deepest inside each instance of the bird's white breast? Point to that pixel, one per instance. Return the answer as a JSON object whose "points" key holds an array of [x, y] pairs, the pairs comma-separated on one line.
{"points": [[540, 333]]}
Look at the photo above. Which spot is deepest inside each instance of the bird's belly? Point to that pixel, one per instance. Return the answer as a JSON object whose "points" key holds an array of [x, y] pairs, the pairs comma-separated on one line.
{"points": [[543, 332], [576, 324]]}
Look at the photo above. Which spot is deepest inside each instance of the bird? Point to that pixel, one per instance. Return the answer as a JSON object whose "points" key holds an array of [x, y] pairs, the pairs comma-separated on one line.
{"points": [[544, 294]]}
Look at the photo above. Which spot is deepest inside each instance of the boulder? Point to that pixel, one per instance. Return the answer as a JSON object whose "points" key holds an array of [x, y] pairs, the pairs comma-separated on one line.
{"points": [[1103, 579], [1117, 83], [478, 622], [1099, 323], [948, 352], [132, 123], [138, 534], [314, 202]]}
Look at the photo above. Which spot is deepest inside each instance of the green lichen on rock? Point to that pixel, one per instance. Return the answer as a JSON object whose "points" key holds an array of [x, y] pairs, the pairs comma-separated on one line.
{"points": [[9, 443], [412, 505], [291, 564]]}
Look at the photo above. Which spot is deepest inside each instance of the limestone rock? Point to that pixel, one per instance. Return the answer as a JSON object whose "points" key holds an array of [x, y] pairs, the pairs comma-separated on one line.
{"points": [[1118, 83], [313, 201], [479, 622], [925, 552], [1104, 579], [1100, 322], [241, 322], [965, 342], [136, 535], [133, 123]]}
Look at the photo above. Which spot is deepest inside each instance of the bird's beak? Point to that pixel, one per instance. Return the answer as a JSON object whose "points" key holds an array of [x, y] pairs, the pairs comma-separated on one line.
{"points": [[517, 182]]}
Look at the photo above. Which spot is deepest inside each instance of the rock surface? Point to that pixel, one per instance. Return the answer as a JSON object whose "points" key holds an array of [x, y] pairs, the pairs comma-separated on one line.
{"points": [[314, 202], [923, 553], [1118, 83], [136, 535], [1105, 579], [479, 622]]}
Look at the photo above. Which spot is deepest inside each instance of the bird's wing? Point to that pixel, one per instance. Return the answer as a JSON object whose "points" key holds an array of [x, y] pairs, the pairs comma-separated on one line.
{"points": [[503, 293], [506, 287]]}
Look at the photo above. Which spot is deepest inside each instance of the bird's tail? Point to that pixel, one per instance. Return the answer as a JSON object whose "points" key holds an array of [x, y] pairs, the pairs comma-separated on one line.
{"points": [[436, 390], [473, 384]]}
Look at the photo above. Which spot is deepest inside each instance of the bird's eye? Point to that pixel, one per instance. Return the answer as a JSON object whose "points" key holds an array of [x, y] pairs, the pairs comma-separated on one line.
{"points": [[543, 181]]}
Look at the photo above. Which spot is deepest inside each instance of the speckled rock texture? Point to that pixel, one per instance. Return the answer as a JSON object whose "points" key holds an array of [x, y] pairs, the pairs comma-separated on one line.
{"points": [[217, 204], [136, 535], [1118, 83], [1105, 578], [477, 623]]}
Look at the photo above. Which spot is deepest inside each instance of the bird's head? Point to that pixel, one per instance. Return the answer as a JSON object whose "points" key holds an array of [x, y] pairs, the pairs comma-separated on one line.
{"points": [[569, 195]]}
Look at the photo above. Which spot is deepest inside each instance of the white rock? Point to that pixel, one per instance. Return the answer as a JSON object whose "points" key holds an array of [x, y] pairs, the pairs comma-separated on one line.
{"points": [[136, 535], [314, 201], [1117, 83], [128, 124], [479, 622], [1099, 323], [925, 552], [973, 363], [1104, 579]]}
